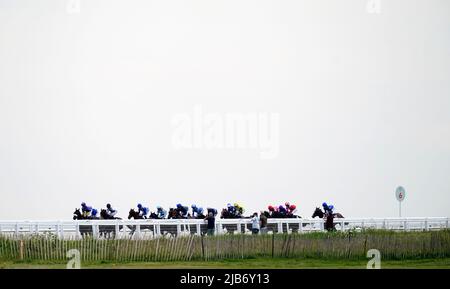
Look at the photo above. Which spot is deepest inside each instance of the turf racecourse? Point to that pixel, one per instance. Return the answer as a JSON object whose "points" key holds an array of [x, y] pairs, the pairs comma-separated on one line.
{"points": [[257, 263]]}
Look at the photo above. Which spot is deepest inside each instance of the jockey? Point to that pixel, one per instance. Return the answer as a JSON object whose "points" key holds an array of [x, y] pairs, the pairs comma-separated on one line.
{"points": [[271, 210], [231, 209], [212, 210], [110, 211], [331, 208], [327, 208], [143, 211], [239, 209], [94, 214], [282, 210], [85, 209], [287, 205], [291, 209], [196, 211], [184, 210], [161, 212]]}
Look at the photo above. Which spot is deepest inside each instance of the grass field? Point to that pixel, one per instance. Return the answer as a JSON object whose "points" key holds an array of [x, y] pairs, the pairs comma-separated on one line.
{"points": [[311, 250], [258, 263]]}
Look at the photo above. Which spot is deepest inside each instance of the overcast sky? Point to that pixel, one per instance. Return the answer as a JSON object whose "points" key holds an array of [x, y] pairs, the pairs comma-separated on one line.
{"points": [[88, 99]]}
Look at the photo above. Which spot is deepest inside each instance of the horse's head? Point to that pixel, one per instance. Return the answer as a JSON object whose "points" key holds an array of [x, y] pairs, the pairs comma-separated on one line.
{"points": [[77, 214], [318, 213], [132, 214], [103, 214], [173, 212]]}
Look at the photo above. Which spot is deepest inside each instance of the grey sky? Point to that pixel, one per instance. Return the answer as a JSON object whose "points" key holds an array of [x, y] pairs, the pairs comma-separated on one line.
{"points": [[87, 99]]}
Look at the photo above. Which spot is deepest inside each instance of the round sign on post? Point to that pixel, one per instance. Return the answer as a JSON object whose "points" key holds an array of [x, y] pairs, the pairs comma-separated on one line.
{"points": [[400, 194]]}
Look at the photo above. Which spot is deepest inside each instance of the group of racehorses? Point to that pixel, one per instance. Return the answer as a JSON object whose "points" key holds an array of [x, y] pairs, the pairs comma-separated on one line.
{"points": [[174, 213]]}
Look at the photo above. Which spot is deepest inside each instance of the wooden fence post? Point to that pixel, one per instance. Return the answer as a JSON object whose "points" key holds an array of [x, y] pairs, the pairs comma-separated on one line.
{"points": [[21, 249], [273, 244], [203, 247]]}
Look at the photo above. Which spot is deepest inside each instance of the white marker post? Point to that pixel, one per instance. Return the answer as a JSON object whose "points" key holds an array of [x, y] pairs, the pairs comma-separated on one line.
{"points": [[400, 194]]}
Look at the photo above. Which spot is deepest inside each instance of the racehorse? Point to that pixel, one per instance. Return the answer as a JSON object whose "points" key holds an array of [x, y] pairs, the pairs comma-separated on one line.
{"points": [[225, 214], [85, 230], [329, 218], [174, 213], [319, 213], [107, 230], [136, 216]]}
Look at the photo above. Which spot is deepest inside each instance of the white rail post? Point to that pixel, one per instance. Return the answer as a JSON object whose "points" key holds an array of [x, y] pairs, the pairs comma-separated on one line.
{"points": [[17, 229], [117, 229], [280, 227], [220, 229], [426, 224], [199, 231], [405, 225], [158, 229], [300, 227], [446, 225], [77, 230], [138, 230], [96, 231], [60, 230], [178, 229], [342, 226]]}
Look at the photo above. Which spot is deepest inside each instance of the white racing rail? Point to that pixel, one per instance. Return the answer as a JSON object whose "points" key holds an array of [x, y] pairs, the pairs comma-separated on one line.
{"points": [[151, 228]]}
